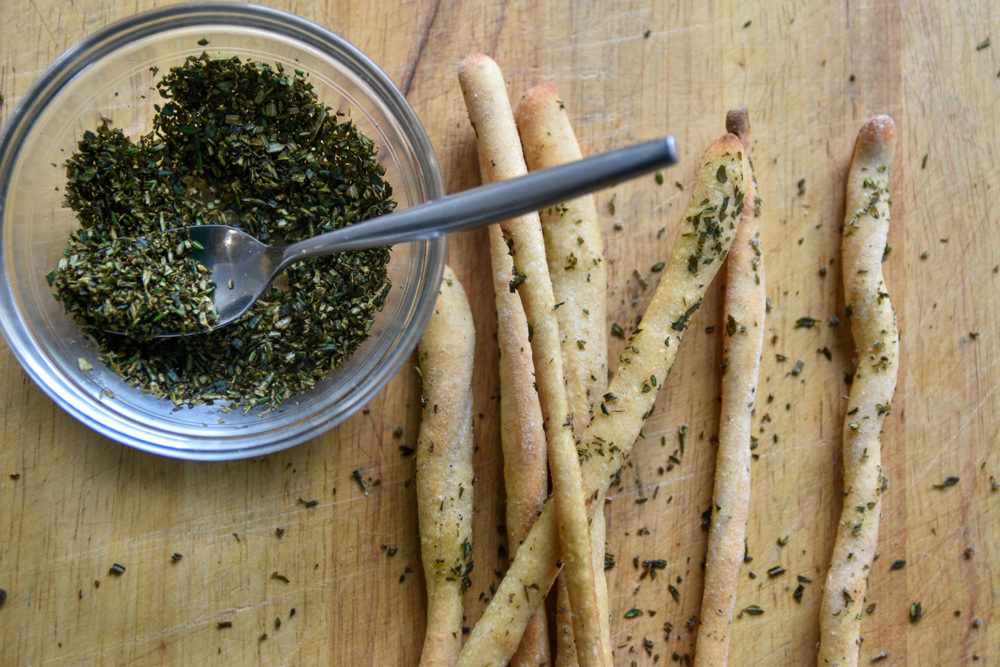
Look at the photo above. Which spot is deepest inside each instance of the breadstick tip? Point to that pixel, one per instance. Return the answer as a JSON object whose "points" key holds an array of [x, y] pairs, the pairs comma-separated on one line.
{"points": [[738, 123], [535, 101], [726, 142], [476, 61], [876, 138]]}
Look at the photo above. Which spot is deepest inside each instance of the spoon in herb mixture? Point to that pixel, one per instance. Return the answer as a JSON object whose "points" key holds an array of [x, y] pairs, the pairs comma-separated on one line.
{"points": [[242, 267]]}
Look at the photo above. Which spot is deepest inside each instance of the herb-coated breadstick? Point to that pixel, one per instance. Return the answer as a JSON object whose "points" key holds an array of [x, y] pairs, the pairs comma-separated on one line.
{"points": [[522, 437], [702, 241], [500, 155], [444, 468], [575, 253], [876, 342], [743, 331]]}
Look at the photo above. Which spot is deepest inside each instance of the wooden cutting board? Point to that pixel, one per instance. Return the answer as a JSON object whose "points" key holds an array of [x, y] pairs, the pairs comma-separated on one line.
{"points": [[73, 503]]}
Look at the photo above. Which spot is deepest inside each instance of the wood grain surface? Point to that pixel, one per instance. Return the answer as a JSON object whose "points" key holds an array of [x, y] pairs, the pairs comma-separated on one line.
{"points": [[73, 503]]}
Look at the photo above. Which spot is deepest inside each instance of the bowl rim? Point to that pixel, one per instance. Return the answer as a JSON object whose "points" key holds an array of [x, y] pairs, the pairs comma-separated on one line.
{"points": [[72, 62]]}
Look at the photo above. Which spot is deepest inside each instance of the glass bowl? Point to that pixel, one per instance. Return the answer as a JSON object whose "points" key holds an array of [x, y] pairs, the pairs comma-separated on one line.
{"points": [[107, 75]]}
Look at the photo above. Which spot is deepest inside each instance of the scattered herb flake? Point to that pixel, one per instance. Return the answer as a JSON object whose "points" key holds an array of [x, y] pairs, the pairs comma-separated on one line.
{"points": [[116, 569], [951, 480], [356, 476], [753, 610], [916, 612]]}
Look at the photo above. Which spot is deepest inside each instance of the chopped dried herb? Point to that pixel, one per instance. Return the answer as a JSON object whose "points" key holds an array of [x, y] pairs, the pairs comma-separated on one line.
{"points": [[116, 569], [797, 593], [3, 596], [753, 610], [897, 565], [224, 624], [279, 577], [356, 476], [232, 143], [983, 44], [309, 503], [633, 612], [617, 331], [916, 612], [806, 322], [775, 571], [951, 480], [176, 557], [881, 655]]}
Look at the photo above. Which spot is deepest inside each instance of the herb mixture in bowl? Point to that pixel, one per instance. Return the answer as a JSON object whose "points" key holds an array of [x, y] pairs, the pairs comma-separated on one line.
{"points": [[237, 143]]}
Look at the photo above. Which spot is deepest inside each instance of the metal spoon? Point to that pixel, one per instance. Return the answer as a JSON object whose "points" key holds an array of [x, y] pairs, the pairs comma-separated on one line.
{"points": [[235, 258]]}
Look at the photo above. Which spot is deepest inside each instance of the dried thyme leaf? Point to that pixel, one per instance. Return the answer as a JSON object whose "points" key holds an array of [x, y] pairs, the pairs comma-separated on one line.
{"points": [[951, 480]]}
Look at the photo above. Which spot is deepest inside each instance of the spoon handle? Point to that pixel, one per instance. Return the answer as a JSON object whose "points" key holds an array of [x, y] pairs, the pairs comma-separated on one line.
{"points": [[486, 204]]}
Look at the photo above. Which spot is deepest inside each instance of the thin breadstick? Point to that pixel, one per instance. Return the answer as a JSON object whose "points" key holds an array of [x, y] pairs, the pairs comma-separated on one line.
{"points": [[743, 326], [876, 342], [444, 468], [575, 253], [501, 157], [702, 242], [522, 436]]}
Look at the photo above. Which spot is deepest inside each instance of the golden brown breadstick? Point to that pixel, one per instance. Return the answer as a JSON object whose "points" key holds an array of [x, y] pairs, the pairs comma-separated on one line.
{"points": [[522, 437], [575, 253], [501, 157], [743, 327], [702, 241], [444, 468], [876, 342]]}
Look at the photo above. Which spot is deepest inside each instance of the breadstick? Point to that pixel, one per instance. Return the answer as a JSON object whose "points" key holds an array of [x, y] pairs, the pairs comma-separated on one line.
{"points": [[876, 342], [444, 468], [743, 327], [575, 253], [501, 157], [522, 437], [702, 241]]}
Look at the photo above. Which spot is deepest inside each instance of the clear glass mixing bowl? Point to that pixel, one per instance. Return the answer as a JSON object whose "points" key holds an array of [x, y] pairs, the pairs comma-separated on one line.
{"points": [[107, 75]]}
